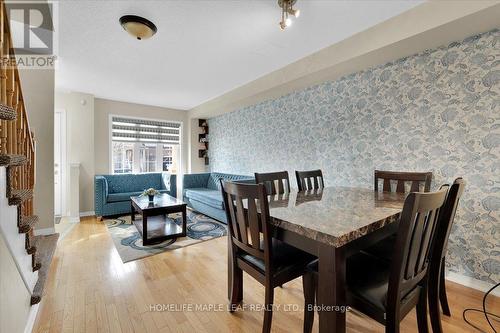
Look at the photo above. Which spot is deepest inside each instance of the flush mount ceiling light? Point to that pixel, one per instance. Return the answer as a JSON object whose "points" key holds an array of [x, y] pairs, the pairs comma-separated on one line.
{"points": [[137, 26], [287, 9]]}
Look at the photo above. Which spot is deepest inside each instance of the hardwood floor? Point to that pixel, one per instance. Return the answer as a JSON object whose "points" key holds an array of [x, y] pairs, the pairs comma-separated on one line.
{"points": [[91, 290]]}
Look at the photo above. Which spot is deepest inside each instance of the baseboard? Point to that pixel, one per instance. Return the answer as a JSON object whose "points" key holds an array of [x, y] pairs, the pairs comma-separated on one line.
{"points": [[89, 213], [472, 283], [31, 318], [46, 231]]}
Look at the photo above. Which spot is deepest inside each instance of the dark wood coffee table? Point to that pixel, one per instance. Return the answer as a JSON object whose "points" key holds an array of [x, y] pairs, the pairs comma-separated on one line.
{"points": [[155, 226]]}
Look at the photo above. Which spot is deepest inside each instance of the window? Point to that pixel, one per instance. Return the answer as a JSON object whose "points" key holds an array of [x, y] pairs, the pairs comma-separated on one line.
{"points": [[147, 157], [167, 157], [123, 157], [140, 146]]}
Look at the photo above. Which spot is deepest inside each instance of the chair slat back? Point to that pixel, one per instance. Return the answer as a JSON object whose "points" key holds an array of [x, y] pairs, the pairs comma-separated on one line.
{"points": [[309, 180], [417, 226], [419, 181], [447, 217], [275, 182], [247, 225]]}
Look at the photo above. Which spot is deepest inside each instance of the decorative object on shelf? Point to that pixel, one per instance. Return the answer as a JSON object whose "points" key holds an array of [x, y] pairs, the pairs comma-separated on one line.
{"points": [[150, 192], [203, 140], [287, 9], [137, 26]]}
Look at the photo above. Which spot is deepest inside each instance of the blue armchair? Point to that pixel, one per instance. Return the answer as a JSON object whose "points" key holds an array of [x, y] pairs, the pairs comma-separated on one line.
{"points": [[201, 192], [113, 192]]}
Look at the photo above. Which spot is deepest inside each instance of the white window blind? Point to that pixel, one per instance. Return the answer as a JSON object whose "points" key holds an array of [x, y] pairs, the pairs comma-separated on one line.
{"points": [[147, 131]]}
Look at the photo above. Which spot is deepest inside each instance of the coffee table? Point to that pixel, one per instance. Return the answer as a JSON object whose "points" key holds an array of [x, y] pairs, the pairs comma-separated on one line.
{"points": [[155, 226]]}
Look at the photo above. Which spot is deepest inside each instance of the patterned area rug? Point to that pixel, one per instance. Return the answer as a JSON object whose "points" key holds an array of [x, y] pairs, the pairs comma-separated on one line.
{"points": [[128, 241]]}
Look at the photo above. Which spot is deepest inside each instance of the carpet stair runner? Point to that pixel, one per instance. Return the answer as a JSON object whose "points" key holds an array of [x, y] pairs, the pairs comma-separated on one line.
{"points": [[27, 223], [7, 112], [12, 160], [17, 197], [41, 248], [46, 246]]}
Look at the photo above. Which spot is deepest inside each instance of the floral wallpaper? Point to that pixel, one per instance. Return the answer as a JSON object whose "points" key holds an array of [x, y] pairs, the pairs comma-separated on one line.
{"points": [[435, 111]]}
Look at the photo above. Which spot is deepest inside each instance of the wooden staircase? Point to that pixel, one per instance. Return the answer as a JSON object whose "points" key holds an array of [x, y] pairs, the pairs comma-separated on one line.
{"points": [[17, 155]]}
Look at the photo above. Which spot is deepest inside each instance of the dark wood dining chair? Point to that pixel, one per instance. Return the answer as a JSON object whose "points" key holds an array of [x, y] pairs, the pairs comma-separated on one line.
{"points": [[419, 181], [252, 247], [437, 285], [275, 182], [309, 180], [387, 291]]}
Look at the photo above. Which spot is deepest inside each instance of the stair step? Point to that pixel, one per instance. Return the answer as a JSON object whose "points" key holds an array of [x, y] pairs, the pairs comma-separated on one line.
{"points": [[7, 112], [27, 223], [46, 246], [30, 243], [31, 250], [37, 266], [12, 160], [17, 197]]}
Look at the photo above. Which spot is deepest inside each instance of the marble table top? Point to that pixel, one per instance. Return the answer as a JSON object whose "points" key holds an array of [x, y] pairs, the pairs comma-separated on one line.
{"points": [[335, 215]]}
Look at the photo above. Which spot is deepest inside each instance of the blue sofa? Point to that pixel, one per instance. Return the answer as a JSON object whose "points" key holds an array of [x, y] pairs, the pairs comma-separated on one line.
{"points": [[113, 192], [201, 192]]}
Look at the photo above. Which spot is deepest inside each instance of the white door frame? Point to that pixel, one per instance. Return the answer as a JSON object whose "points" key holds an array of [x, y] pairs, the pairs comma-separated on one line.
{"points": [[64, 162]]}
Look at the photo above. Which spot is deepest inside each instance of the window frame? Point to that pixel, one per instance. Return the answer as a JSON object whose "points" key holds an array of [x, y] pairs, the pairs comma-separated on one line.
{"points": [[159, 146]]}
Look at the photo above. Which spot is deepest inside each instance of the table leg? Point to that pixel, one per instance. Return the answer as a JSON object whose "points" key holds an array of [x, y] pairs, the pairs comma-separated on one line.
{"points": [[331, 289], [184, 222], [132, 212], [229, 267], [144, 229], [234, 278]]}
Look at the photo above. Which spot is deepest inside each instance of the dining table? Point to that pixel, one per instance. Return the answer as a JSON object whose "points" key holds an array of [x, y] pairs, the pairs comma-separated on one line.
{"points": [[331, 223]]}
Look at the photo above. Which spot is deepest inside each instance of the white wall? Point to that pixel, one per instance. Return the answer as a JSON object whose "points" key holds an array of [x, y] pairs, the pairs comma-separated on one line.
{"points": [[15, 300], [38, 92], [104, 108], [79, 109]]}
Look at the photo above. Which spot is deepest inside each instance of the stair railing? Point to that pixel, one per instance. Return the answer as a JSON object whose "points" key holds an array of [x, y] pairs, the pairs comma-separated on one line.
{"points": [[16, 136]]}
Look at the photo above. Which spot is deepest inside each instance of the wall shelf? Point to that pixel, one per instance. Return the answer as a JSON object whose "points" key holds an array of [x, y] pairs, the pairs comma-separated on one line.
{"points": [[203, 140]]}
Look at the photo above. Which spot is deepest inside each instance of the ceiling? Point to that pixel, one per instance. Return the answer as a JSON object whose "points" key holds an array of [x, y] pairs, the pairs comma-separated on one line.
{"points": [[202, 49]]}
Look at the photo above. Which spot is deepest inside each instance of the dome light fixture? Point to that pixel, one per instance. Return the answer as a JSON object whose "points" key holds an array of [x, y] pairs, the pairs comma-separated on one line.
{"points": [[137, 26], [287, 9]]}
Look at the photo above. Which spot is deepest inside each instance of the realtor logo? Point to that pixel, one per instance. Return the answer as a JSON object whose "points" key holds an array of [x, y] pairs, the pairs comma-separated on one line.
{"points": [[32, 30]]}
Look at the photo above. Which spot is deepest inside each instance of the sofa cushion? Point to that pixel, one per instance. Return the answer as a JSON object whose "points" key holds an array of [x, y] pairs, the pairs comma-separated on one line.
{"points": [[134, 183], [212, 198]]}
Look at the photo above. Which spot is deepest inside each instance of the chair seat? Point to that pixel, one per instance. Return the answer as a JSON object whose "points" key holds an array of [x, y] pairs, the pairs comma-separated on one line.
{"points": [[285, 258], [383, 249], [367, 278], [212, 198]]}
